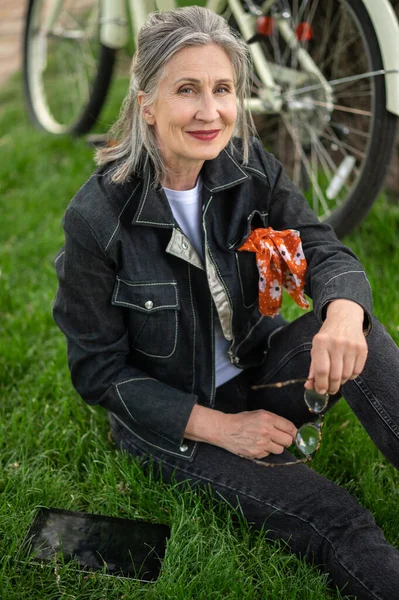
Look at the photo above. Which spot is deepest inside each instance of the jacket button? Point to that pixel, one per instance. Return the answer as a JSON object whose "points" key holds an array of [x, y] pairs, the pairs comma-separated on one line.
{"points": [[149, 304], [183, 448], [184, 245]]}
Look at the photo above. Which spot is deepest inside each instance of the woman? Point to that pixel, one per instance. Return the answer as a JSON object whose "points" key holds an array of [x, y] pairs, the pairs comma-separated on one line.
{"points": [[158, 299]]}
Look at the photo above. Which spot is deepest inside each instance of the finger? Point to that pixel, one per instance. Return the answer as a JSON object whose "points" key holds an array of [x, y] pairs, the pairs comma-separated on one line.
{"points": [[335, 376], [274, 448], [282, 439], [348, 368], [256, 456], [309, 385], [359, 364], [282, 424], [321, 368]]}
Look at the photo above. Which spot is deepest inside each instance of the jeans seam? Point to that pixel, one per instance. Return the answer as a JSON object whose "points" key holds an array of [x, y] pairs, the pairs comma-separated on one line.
{"points": [[377, 406], [286, 358], [276, 508]]}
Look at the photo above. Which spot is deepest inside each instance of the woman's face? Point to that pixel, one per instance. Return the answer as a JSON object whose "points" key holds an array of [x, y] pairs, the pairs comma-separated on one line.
{"points": [[196, 111]]}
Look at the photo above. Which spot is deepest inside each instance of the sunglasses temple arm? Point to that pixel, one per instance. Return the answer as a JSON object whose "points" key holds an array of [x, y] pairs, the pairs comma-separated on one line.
{"points": [[279, 384]]}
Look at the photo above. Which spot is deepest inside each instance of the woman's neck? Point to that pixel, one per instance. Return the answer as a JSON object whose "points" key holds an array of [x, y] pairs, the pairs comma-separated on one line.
{"points": [[181, 180]]}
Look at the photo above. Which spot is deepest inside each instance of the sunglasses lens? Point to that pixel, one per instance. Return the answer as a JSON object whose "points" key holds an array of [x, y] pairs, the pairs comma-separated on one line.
{"points": [[308, 438], [315, 402]]}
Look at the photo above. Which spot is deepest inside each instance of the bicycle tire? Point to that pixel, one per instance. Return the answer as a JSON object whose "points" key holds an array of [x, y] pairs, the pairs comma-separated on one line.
{"points": [[350, 209], [41, 107], [358, 204]]}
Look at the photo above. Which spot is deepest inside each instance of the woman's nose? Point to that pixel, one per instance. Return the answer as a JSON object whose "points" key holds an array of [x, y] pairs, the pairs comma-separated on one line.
{"points": [[207, 111]]}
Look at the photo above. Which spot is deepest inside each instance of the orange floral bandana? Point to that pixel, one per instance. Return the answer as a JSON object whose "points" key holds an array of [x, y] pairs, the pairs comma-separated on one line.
{"points": [[281, 263]]}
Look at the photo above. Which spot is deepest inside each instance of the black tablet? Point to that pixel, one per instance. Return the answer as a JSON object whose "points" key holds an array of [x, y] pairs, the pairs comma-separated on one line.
{"points": [[112, 545]]}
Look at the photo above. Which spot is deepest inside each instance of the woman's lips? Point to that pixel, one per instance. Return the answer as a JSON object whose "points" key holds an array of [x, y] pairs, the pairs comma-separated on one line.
{"points": [[205, 136]]}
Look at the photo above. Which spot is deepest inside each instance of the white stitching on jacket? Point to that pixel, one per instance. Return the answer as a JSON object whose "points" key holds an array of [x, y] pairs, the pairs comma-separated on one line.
{"points": [[195, 325], [144, 199], [160, 355], [141, 210], [249, 332], [119, 279], [346, 273], [257, 171], [180, 455], [58, 257], [241, 286], [119, 218]]}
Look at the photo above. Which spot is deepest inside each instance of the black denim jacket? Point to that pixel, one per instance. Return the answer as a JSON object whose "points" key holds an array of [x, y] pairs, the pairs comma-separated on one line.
{"points": [[138, 306]]}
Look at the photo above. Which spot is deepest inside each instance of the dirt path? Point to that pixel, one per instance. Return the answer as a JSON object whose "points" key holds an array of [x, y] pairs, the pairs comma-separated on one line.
{"points": [[11, 25]]}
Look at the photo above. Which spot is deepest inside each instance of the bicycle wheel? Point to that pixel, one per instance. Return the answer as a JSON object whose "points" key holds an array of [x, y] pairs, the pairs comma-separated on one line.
{"points": [[333, 133], [67, 71]]}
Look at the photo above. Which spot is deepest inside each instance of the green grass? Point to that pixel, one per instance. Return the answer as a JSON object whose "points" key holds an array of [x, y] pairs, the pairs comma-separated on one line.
{"points": [[55, 451]]}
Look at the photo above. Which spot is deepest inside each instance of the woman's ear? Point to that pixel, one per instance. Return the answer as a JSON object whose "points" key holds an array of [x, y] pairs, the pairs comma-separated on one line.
{"points": [[146, 111]]}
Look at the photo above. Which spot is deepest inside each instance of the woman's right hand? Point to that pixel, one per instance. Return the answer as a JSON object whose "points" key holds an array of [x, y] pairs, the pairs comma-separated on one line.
{"points": [[256, 434], [251, 434]]}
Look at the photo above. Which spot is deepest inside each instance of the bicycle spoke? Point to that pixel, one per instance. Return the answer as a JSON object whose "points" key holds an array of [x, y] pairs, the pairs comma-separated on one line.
{"points": [[346, 109], [352, 130], [324, 158], [64, 77], [312, 12], [301, 11], [305, 161], [335, 82], [340, 46], [342, 145], [326, 132], [360, 85], [315, 169], [328, 30], [326, 162], [336, 55], [354, 95]]}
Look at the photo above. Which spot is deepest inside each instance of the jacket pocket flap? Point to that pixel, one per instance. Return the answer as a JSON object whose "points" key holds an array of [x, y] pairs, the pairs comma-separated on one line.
{"points": [[254, 220], [147, 297]]}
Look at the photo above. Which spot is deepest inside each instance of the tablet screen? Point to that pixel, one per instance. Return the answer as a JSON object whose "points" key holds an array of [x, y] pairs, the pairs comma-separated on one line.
{"points": [[115, 546]]}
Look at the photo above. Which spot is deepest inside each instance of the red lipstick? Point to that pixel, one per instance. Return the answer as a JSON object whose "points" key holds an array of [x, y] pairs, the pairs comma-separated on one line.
{"points": [[205, 136]]}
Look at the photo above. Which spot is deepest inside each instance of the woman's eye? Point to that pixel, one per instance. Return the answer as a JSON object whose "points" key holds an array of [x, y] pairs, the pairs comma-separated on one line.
{"points": [[186, 90], [222, 90]]}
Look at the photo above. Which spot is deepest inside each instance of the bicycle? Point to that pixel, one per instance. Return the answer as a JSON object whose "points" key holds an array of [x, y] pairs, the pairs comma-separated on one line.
{"points": [[325, 84]]}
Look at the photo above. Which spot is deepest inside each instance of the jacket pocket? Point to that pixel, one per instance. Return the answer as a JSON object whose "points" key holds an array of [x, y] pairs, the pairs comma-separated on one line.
{"points": [[248, 273], [152, 316], [248, 276]]}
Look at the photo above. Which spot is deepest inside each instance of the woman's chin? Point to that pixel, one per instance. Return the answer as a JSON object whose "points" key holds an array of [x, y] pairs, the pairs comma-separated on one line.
{"points": [[207, 153]]}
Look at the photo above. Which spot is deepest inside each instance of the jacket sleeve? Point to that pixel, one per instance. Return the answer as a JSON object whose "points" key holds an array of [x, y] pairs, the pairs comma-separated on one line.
{"points": [[97, 339], [333, 269]]}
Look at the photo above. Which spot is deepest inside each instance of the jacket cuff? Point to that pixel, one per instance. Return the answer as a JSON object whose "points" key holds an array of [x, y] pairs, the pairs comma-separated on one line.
{"points": [[352, 285], [161, 408]]}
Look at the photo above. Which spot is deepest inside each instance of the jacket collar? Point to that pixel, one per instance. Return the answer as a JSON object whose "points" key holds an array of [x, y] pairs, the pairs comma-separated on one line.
{"points": [[221, 173]]}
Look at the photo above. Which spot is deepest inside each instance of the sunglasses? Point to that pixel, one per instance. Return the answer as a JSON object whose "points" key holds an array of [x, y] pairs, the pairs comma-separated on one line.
{"points": [[308, 436]]}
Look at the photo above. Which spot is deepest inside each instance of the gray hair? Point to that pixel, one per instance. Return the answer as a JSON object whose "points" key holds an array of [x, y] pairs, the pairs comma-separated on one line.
{"points": [[161, 37]]}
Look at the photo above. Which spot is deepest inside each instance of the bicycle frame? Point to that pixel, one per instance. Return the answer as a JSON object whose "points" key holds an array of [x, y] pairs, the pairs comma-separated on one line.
{"points": [[337, 145], [115, 32]]}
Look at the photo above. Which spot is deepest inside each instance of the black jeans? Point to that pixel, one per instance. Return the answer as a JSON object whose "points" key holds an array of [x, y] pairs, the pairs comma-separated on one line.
{"points": [[318, 519]]}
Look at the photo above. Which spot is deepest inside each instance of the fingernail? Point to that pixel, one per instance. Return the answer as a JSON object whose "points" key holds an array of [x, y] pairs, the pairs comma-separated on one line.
{"points": [[323, 391]]}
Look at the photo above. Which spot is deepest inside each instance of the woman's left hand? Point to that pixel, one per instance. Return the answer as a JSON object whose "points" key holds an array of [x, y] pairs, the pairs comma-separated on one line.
{"points": [[339, 349]]}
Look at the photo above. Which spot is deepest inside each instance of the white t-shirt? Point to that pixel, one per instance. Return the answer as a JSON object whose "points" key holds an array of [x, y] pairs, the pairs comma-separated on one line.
{"points": [[186, 208]]}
